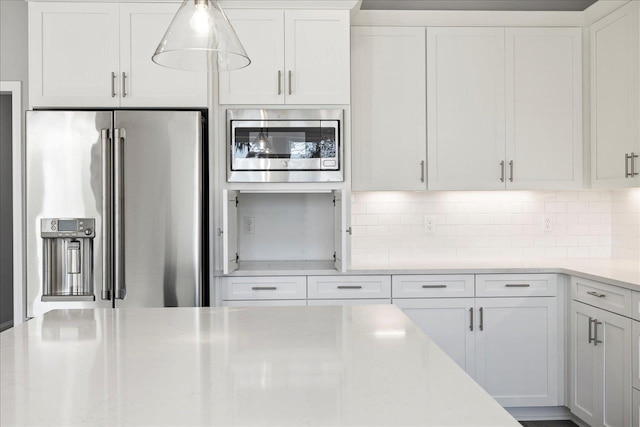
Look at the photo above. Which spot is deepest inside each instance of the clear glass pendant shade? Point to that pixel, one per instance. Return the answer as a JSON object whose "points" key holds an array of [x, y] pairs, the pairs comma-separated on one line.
{"points": [[200, 38]]}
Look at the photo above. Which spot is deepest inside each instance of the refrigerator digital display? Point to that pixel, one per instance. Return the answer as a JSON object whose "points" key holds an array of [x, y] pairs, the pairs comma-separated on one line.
{"points": [[67, 225]]}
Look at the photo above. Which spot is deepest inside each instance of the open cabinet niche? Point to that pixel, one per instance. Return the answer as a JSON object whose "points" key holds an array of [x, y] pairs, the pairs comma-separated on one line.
{"points": [[283, 231]]}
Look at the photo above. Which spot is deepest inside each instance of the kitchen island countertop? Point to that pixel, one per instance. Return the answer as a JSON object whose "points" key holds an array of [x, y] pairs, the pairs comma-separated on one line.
{"points": [[347, 366]]}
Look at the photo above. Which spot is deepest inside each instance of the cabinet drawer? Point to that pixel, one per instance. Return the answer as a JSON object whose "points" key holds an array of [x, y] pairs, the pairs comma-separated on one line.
{"points": [[602, 295], [314, 302], [347, 287], [432, 286], [265, 303], [516, 285], [263, 288]]}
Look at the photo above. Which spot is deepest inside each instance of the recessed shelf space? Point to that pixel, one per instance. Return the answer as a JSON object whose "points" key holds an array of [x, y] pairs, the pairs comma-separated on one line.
{"points": [[282, 230]]}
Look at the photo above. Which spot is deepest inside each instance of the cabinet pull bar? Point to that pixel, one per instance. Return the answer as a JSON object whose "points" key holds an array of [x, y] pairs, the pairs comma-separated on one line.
{"points": [[290, 91], [124, 84], [596, 294], [113, 84], [422, 171], [634, 156], [471, 319], [591, 320], [627, 157], [279, 82], [264, 288], [502, 171], [510, 170], [595, 332], [349, 287], [481, 318], [433, 286], [517, 285]]}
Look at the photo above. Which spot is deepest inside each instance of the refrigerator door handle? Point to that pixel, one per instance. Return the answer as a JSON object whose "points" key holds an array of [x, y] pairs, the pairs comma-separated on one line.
{"points": [[107, 217], [118, 216]]}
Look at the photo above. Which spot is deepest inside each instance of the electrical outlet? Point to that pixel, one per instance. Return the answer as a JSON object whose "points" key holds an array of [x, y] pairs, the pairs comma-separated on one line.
{"points": [[430, 224], [547, 223], [249, 225]]}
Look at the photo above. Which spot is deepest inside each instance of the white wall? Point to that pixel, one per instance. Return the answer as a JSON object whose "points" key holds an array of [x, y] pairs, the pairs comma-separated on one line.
{"points": [[388, 227]]}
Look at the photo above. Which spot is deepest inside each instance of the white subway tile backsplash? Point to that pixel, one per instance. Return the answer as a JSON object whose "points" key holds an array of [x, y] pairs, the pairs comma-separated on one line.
{"points": [[388, 227]]}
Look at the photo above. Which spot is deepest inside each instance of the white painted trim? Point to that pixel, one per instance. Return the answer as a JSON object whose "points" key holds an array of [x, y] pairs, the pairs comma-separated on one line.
{"points": [[600, 9], [467, 18], [246, 4], [542, 413], [15, 89]]}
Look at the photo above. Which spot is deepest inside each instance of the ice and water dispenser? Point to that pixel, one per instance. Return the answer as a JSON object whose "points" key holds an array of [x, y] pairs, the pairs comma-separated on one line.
{"points": [[68, 259]]}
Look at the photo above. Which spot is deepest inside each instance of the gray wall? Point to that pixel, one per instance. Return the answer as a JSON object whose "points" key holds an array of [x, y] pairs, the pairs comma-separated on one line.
{"points": [[6, 207], [13, 66]]}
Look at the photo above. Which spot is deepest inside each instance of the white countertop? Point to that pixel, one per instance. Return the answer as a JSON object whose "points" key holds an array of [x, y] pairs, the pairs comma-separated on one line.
{"points": [[330, 366], [624, 273]]}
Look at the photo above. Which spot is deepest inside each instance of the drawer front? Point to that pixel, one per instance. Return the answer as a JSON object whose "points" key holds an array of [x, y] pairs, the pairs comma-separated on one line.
{"points": [[635, 305], [263, 288], [432, 286], [602, 295], [516, 285], [347, 287], [348, 301]]}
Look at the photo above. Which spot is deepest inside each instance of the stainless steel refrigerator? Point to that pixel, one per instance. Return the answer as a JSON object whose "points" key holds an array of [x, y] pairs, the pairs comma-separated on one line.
{"points": [[115, 209]]}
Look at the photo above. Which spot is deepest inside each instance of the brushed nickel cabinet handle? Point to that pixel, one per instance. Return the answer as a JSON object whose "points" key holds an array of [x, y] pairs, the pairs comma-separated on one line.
{"points": [[634, 156], [264, 288], [433, 286], [510, 170], [596, 294], [502, 171], [279, 82], [471, 319], [113, 85], [627, 157], [422, 171], [349, 287], [124, 84], [517, 285], [595, 332], [290, 90], [591, 320], [481, 318]]}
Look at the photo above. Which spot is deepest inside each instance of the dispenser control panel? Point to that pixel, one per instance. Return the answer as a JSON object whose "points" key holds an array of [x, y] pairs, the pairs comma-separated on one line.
{"points": [[51, 228]]}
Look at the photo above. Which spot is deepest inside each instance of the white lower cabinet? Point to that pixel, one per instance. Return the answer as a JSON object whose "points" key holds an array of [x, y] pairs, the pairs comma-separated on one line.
{"points": [[317, 302], [517, 350], [448, 322], [600, 387], [265, 303], [636, 408], [508, 344]]}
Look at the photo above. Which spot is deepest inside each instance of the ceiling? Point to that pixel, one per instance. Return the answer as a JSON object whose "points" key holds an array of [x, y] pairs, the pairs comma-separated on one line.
{"points": [[530, 5]]}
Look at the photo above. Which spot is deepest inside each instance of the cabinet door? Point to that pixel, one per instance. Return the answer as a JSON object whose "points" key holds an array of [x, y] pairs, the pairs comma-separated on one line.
{"points": [[635, 354], [317, 57], [615, 95], [635, 416], [73, 54], [262, 82], [229, 231], [615, 358], [144, 83], [465, 108], [544, 108], [339, 233], [517, 351], [583, 383], [448, 322], [388, 109]]}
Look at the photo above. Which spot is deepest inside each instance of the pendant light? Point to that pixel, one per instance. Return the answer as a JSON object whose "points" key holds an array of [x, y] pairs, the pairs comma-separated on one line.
{"points": [[201, 38]]}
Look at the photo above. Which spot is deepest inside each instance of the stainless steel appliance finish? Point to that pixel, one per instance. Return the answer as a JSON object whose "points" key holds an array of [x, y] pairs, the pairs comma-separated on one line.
{"points": [[138, 174], [284, 146]]}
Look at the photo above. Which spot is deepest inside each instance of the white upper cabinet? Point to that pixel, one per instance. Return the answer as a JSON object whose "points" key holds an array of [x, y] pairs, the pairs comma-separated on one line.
{"points": [[465, 108], [491, 130], [99, 55], [73, 54], [143, 82], [388, 109], [544, 108], [615, 98], [297, 57]]}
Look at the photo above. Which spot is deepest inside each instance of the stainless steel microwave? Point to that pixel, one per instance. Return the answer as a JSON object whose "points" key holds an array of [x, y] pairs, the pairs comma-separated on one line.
{"points": [[284, 146]]}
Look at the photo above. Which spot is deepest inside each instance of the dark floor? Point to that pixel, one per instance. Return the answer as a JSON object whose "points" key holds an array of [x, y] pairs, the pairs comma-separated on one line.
{"points": [[548, 424]]}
